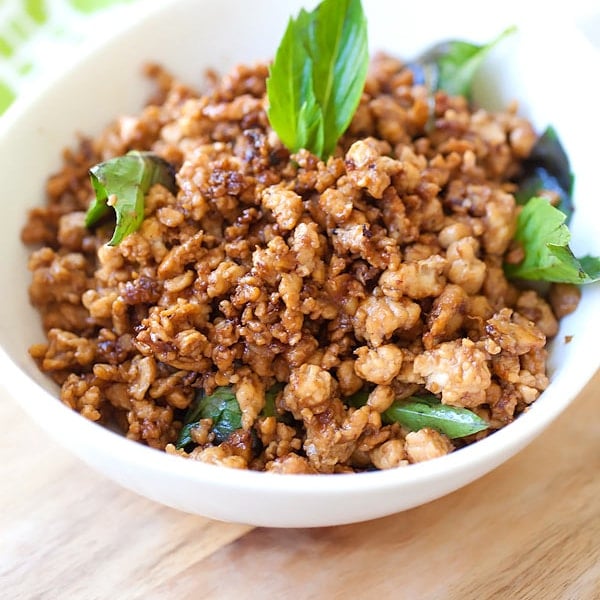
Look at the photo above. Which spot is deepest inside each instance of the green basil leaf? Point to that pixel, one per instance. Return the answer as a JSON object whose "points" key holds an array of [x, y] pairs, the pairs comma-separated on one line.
{"points": [[542, 233], [317, 76], [357, 399], [270, 409], [417, 412], [122, 183], [547, 168], [452, 65], [221, 406], [591, 266]]}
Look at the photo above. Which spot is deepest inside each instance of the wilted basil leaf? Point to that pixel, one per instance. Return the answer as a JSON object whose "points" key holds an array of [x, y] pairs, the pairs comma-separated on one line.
{"points": [[122, 183]]}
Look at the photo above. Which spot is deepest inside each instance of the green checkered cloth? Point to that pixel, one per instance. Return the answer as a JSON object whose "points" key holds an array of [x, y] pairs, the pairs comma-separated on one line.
{"points": [[37, 35]]}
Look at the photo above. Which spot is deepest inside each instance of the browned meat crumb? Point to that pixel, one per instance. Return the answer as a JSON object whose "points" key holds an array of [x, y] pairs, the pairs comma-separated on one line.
{"points": [[426, 444], [378, 270]]}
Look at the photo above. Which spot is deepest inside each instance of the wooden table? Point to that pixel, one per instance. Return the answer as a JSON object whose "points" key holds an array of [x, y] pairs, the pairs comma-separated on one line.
{"points": [[530, 529]]}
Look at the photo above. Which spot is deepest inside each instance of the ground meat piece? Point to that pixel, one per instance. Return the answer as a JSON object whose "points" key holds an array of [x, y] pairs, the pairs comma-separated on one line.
{"points": [[219, 455], [285, 205], [250, 394], [446, 316], [458, 370], [464, 268], [514, 333], [502, 400], [536, 309], [454, 231], [201, 432], [426, 444], [378, 365], [369, 168], [416, 280], [564, 298], [80, 393], [151, 423], [72, 231], [376, 319], [381, 398], [65, 349], [57, 278], [336, 204], [290, 463], [173, 335], [331, 436], [180, 256], [496, 288], [309, 391], [507, 367], [306, 246], [500, 222], [389, 455], [533, 369], [225, 277], [278, 439]]}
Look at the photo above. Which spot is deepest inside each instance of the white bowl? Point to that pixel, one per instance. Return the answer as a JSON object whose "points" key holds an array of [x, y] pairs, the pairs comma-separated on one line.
{"points": [[549, 69]]}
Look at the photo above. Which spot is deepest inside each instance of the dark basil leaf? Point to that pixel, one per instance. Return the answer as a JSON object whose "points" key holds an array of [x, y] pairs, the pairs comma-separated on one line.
{"points": [[547, 168], [357, 399], [221, 406], [270, 409]]}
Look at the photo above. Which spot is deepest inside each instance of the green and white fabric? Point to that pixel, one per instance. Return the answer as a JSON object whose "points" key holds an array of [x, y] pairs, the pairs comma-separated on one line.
{"points": [[37, 35]]}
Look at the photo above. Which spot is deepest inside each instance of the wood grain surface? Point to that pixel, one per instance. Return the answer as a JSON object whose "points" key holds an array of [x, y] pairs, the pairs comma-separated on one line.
{"points": [[529, 530]]}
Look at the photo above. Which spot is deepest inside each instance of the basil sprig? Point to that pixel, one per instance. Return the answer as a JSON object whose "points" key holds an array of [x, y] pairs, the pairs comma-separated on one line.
{"points": [[417, 412], [122, 183], [317, 77]]}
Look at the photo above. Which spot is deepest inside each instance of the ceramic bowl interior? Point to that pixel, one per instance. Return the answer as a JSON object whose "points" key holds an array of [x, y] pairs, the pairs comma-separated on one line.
{"points": [[540, 67]]}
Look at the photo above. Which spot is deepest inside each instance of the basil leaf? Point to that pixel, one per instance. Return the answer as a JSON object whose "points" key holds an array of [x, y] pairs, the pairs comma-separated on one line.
{"points": [[270, 409], [542, 233], [591, 266], [547, 168], [452, 65], [357, 399], [317, 77], [417, 412], [122, 183], [221, 406]]}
